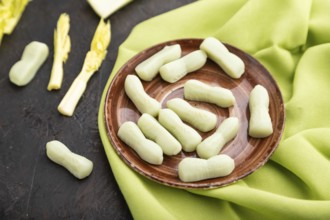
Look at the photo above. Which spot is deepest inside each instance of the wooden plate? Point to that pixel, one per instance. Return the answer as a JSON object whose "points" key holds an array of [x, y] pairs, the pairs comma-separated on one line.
{"points": [[248, 153]]}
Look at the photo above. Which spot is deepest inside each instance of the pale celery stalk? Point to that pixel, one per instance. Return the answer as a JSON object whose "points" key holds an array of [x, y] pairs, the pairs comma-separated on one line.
{"points": [[62, 47], [4, 14], [16, 8], [10, 13], [92, 62], [2, 24], [104, 8]]}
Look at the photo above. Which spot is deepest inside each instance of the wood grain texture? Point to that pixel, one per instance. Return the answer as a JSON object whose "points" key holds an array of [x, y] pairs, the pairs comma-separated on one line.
{"points": [[31, 186], [249, 153]]}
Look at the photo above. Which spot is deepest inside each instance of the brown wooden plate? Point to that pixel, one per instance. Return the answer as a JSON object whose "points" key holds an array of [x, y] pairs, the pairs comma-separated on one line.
{"points": [[248, 153]]}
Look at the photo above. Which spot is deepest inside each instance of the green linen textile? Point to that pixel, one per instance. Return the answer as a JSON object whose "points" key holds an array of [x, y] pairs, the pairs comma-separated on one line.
{"points": [[291, 38]]}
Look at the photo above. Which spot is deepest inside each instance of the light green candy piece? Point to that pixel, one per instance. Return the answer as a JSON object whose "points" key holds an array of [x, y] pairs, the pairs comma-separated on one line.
{"points": [[149, 68], [143, 102], [229, 62], [260, 124], [196, 169], [195, 90], [79, 166], [177, 69], [23, 71], [201, 119], [186, 135], [213, 144], [151, 128], [148, 150]]}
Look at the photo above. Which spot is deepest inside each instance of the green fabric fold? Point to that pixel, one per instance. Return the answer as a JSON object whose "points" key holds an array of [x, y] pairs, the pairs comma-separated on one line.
{"points": [[291, 38]]}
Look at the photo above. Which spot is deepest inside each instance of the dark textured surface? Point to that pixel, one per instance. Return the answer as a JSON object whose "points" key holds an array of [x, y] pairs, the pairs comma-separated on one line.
{"points": [[31, 186]]}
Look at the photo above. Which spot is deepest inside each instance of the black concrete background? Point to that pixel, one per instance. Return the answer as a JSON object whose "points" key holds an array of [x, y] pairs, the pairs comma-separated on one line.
{"points": [[31, 186]]}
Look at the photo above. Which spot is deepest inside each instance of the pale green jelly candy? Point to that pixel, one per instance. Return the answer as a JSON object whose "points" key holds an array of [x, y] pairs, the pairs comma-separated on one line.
{"points": [[199, 118], [229, 62], [23, 71], [142, 101], [213, 144], [151, 128], [260, 124], [148, 150], [177, 69], [195, 90], [196, 169], [186, 135], [149, 68], [79, 166]]}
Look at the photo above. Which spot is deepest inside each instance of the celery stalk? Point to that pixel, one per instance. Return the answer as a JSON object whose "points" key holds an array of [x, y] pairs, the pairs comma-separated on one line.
{"points": [[2, 24], [104, 8], [16, 8], [10, 13], [62, 47], [93, 61]]}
